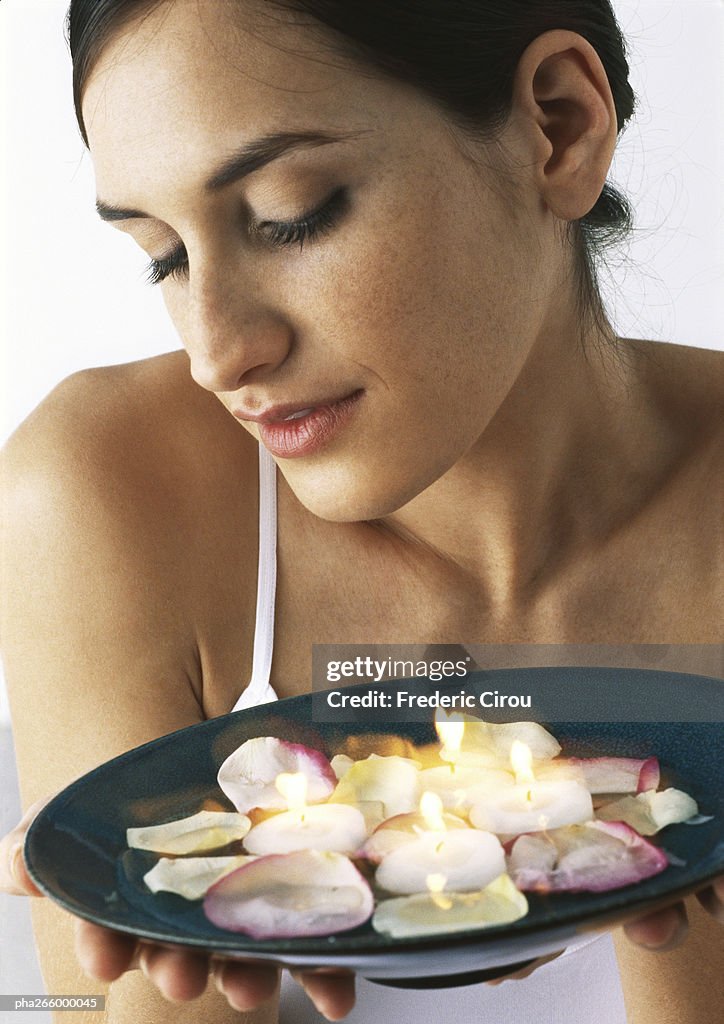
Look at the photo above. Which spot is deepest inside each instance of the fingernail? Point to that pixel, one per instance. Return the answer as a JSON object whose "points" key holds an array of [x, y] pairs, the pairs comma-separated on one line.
{"points": [[16, 865], [143, 963], [216, 972]]}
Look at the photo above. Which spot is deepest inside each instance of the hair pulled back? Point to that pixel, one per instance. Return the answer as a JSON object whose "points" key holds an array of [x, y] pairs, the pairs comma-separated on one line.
{"points": [[463, 54]]}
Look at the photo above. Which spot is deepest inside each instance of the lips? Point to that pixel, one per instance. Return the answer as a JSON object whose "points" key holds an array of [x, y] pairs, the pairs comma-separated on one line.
{"points": [[293, 431]]}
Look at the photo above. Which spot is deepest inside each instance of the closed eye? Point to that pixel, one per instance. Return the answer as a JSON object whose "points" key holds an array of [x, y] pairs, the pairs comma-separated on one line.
{"points": [[278, 233], [176, 264], [307, 228]]}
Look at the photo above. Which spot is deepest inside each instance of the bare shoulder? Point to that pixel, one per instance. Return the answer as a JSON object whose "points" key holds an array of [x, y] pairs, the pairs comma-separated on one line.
{"points": [[129, 522], [123, 418], [664, 565], [687, 383], [137, 448], [684, 390]]}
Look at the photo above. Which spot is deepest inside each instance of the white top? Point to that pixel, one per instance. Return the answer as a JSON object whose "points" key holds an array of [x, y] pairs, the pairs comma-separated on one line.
{"points": [[582, 985]]}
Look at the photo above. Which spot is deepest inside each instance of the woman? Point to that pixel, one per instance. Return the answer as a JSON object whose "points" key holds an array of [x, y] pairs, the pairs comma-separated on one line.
{"points": [[379, 255]]}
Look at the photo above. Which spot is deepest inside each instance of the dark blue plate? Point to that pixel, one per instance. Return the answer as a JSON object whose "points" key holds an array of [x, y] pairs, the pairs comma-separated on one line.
{"points": [[76, 848]]}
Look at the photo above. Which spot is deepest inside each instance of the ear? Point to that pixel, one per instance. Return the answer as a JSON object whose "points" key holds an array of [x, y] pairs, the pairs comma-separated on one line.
{"points": [[562, 101]]}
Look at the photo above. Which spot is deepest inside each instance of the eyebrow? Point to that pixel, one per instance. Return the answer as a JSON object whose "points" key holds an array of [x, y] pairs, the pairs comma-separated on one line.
{"points": [[251, 157]]}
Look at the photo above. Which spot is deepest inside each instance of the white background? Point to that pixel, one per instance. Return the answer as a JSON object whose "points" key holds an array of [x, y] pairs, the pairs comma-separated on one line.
{"points": [[74, 291], [73, 295]]}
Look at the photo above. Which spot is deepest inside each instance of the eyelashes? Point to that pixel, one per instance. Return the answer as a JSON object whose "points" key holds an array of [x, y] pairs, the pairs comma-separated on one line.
{"points": [[308, 227], [279, 234], [173, 265]]}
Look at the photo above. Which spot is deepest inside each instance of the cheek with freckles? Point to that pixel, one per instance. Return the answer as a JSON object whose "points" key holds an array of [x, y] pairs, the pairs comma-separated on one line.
{"points": [[428, 315]]}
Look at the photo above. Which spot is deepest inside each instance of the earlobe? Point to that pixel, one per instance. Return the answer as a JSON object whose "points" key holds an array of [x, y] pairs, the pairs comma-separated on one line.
{"points": [[563, 98]]}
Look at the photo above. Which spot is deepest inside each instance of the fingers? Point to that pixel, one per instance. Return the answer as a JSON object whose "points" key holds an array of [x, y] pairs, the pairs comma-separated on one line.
{"points": [[661, 931], [14, 877], [246, 985], [178, 974], [712, 899], [331, 991], [103, 954]]}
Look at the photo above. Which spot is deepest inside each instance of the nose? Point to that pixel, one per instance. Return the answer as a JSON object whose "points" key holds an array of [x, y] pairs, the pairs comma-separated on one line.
{"points": [[232, 334]]}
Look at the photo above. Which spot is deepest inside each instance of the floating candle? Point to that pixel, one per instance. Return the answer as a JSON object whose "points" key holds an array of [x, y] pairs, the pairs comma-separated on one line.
{"points": [[337, 828], [459, 786], [467, 857], [530, 805], [450, 729], [401, 830]]}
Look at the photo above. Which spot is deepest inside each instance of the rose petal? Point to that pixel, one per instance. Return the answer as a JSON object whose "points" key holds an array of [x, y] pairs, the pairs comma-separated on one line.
{"points": [[649, 775], [381, 744], [605, 774], [489, 743], [391, 781], [291, 895], [543, 746], [206, 830], [430, 914], [649, 812], [247, 776], [190, 877], [341, 764], [465, 785], [593, 857]]}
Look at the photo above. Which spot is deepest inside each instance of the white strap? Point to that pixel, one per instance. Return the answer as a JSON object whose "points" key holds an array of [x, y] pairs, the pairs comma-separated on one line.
{"points": [[259, 690]]}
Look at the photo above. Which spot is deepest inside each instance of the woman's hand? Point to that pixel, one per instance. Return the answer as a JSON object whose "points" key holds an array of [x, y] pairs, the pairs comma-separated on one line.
{"points": [[181, 974], [660, 931], [666, 928], [178, 973], [14, 877]]}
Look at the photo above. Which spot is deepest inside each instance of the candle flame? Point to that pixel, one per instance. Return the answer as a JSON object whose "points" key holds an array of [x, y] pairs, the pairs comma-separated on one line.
{"points": [[431, 810], [435, 884], [522, 762], [450, 730], [293, 787]]}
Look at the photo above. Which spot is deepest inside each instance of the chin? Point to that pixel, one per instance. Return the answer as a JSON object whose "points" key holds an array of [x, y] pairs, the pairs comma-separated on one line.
{"points": [[352, 494]]}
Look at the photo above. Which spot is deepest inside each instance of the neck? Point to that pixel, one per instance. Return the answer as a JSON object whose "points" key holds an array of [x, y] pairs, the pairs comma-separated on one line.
{"points": [[564, 461]]}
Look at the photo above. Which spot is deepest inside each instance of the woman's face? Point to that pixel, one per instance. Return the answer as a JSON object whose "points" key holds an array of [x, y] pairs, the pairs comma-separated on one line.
{"points": [[329, 245]]}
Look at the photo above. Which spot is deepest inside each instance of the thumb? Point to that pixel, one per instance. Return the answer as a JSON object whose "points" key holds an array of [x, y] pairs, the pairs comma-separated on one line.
{"points": [[14, 877]]}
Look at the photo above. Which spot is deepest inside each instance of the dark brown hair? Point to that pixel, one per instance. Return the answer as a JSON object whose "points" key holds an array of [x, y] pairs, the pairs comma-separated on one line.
{"points": [[461, 53]]}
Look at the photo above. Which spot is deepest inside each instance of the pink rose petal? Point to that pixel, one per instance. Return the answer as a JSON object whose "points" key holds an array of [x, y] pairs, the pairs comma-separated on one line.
{"points": [[247, 776], [286, 896], [649, 776], [606, 774], [594, 857]]}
